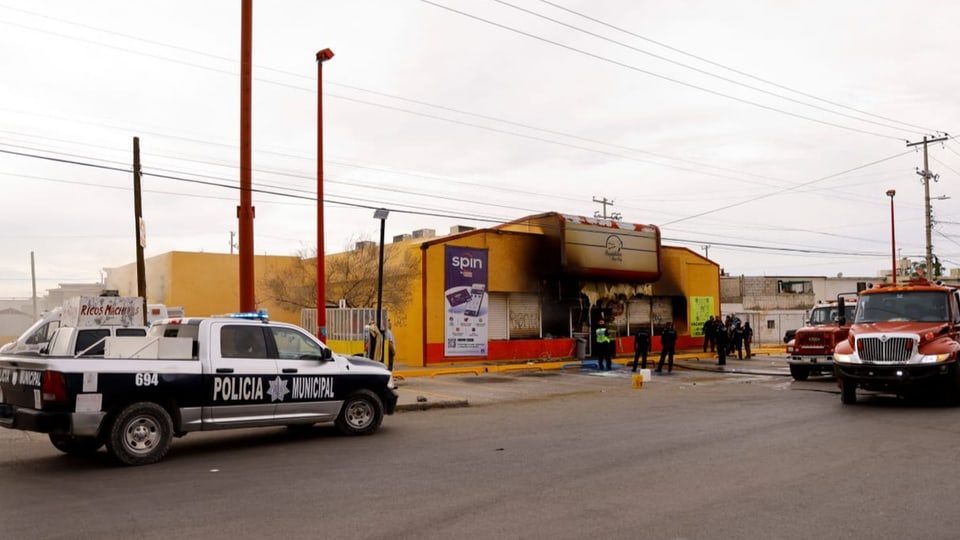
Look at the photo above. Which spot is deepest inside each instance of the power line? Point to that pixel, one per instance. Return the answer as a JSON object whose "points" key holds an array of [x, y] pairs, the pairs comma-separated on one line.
{"points": [[657, 75], [733, 70], [778, 249], [408, 111], [435, 117], [312, 195], [692, 68], [772, 193], [371, 205]]}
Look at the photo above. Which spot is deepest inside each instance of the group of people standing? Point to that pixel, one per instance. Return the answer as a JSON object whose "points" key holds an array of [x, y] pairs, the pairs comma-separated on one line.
{"points": [[726, 337], [668, 345], [641, 346]]}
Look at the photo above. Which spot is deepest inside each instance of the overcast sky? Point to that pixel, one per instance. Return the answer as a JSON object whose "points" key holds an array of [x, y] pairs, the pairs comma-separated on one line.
{"points": [[768, 131]]}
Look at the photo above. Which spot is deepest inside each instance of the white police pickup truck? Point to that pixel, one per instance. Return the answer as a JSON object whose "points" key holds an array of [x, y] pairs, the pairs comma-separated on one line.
{"points": [[191, 374]]}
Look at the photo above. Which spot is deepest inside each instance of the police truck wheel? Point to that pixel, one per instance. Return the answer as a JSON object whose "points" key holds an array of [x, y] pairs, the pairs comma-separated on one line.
{"points": [[361, 414], [848, 393], [76, 446], [799, 373], [140, 434]]}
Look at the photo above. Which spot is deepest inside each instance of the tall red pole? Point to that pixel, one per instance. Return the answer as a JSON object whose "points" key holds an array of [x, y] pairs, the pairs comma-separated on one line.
{"points": [[893, 238], [245, 211], [322, 56]]}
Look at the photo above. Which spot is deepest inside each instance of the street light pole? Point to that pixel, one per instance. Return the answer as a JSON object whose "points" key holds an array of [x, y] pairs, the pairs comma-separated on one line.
{"points": [[381, 214], [893, 238], [322, 56]]}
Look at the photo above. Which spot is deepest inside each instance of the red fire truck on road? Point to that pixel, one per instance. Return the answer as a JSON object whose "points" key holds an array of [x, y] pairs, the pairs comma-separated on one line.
{"points": [[811, 349], [904, 340]]}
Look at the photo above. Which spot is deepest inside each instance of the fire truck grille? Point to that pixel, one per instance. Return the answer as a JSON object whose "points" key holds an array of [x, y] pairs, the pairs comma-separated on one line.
{"points": [[888, 351], [813, 339]]}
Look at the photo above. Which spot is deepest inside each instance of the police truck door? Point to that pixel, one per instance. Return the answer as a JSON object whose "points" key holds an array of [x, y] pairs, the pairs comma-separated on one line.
{"points": [[244, 382], [311, 376]]}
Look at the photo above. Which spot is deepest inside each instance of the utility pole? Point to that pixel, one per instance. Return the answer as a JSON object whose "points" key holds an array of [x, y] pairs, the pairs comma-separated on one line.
{"points": [[605, 202], [140, 236], [706, 250], [246, 211], [926, 198], [232, 243], [33, 280]]}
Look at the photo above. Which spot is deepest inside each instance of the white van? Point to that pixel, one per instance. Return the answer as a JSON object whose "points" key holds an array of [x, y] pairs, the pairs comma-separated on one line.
{"points": [[37, 336], [87, 312]]}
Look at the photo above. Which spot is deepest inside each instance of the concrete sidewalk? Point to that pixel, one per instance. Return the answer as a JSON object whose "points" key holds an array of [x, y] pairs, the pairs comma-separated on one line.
{"points": [[478, 384]]}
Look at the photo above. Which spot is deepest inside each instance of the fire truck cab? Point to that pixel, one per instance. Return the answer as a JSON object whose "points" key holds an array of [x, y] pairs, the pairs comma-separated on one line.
{"points": [[811, 349]]}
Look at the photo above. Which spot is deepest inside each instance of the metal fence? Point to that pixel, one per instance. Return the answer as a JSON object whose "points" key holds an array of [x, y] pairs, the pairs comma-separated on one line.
{"points": [[343, 324]]}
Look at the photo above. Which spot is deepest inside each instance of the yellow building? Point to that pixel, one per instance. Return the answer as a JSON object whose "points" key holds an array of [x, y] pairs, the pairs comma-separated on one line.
{"points": [[203, 283]]}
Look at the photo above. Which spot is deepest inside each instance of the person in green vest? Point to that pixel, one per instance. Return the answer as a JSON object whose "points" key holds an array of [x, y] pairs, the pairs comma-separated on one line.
{"points": [[604, 346]]}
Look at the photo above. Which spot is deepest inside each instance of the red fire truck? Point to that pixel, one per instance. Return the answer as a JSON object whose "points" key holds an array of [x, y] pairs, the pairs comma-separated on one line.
{"points": [[904, 340], [811, 349]]}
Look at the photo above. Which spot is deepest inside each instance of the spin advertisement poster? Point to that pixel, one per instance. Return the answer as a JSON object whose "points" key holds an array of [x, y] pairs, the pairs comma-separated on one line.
{"points": [[466, 301]]}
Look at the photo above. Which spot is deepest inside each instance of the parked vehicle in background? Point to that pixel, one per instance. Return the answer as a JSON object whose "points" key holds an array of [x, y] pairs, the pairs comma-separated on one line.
{"points": [[811, 349], [36, 336], [788, 335], [904, 340], [88, 312]]}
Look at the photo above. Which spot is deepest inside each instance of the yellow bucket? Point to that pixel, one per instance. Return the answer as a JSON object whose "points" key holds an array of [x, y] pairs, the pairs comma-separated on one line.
{"points": [[638, 381]]}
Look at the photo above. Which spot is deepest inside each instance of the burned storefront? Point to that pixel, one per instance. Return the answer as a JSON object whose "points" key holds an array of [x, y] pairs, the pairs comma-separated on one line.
{"points": [[535, 288]]}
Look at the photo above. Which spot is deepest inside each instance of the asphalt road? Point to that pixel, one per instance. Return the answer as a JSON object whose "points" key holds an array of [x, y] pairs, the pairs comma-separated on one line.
{"points": [[705, 456]]}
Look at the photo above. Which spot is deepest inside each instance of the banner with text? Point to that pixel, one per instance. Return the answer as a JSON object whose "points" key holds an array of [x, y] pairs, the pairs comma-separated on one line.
{"points": [[465, 300], [702, 308]]}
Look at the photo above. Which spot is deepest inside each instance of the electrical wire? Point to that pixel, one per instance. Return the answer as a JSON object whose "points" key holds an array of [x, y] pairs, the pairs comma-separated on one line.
{"points": [[732, 70], [657, 75], [698, 70], [421, 212], [388, 107], [779, 192]]}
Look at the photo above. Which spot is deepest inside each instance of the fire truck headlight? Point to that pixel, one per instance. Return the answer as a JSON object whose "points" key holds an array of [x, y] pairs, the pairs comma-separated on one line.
{"points": [[846, 358], [934, 358]]}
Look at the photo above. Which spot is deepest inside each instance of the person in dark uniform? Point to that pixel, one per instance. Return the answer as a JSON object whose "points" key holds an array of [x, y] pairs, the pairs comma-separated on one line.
{"points": [[723, 342], [747, 338], [668, 342], [710, 334], [641, 346], [737, 340]]}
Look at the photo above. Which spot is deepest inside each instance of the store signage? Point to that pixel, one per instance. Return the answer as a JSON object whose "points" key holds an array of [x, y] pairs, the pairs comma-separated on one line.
{"points": [[604, 248], [465, 301]]}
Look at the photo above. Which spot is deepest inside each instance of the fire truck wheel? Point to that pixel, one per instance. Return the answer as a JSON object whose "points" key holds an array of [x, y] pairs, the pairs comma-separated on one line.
{"points": [[848, 392], [799, 373]]}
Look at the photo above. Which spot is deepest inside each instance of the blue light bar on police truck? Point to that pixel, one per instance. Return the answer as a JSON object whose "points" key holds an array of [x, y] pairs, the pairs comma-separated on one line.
{"points": [[259, 315]]}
